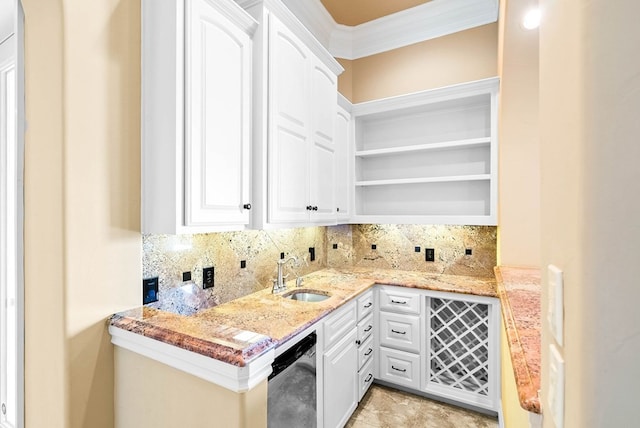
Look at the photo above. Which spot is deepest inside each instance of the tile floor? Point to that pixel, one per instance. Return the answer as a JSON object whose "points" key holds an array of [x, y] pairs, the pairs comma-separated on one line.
{"points": [[384, 407]]}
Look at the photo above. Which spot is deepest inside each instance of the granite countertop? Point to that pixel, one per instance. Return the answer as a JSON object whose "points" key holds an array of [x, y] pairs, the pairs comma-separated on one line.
{"points": [[519, 290], [242, 329]]}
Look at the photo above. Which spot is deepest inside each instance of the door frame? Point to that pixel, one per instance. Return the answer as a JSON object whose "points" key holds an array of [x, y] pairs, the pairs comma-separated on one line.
{"points": [[17, 207]]}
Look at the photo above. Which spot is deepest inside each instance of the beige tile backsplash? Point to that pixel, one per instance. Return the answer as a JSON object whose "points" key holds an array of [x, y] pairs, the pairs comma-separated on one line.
{"points": [[167, 256]]}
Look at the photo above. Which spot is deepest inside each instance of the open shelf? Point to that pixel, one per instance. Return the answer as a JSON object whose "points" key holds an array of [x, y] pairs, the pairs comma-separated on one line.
{"points": [[428, 157], [479, 177], [471, 142]]}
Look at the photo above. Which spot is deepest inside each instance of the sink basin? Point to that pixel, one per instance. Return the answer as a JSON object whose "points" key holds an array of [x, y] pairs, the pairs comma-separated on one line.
{"points": [[307, 295]]}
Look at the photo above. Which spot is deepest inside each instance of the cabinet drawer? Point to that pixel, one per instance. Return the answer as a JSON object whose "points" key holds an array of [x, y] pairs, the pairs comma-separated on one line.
{"points": [[338, 324], [401, 368], [365, 304], [365, 379], [365, 352], [397, 299], [400, 331], [365, 328]]}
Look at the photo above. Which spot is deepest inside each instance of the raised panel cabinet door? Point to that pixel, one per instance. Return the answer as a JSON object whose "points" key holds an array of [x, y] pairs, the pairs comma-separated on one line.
{"points": [[217, 118], [340, 381], [343, 163], [322, 180], [288, 143]]}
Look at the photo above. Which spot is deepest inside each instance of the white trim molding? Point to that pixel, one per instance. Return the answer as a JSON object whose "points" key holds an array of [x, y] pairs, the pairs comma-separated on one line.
{"points": [[427, 21], [234, 378]]}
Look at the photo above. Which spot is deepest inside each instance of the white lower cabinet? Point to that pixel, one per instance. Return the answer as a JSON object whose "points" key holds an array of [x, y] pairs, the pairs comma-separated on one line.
{"points": [[400, 331], [340, 371], [443, 344], [436, 343], [400, 367], [365, 379], [365, 342], [340, 394]]}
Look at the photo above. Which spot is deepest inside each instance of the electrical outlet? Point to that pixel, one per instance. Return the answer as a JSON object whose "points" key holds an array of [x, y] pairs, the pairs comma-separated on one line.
{"points": [[429, 254], [208, 277], [335, 246], [186, 276], [243, 264], [417, 249], [374, 247], [149, 290], [468, 251], [312, 253], [281, 256]]}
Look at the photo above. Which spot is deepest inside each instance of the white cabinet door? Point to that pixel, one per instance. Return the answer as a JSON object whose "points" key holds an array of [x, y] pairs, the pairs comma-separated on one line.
{"points": [[341, 382], [217, 118], [343, 163], [289, 137], [301, 153], [322, 179], [196, 116]]}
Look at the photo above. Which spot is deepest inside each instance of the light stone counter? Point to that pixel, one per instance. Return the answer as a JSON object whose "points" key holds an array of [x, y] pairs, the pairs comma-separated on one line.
{"points": [[519, 290], [241, 330]]}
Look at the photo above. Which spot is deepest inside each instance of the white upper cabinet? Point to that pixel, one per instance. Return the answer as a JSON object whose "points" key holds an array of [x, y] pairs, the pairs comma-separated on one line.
{"points": [[196, 101], [344, 161], [295, 87], [290, 122], [429, 157], [322, 180]]}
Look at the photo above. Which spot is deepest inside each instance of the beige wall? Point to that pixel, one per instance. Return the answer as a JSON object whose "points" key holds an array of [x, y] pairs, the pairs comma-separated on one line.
{"points": [[589, 104], [519, 168], [456, 58], [144, 400], [46, 372], [82, 202]]}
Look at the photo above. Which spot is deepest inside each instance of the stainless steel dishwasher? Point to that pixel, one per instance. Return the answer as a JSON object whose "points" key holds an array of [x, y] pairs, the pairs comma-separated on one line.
{"points": [[292, 386]]}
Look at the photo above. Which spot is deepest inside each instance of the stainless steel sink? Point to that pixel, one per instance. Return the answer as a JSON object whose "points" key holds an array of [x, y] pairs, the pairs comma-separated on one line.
{"points": [[306, 295]]}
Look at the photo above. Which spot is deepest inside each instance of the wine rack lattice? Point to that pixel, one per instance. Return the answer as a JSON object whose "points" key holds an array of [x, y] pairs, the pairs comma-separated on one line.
{"points": [[459, 351]]}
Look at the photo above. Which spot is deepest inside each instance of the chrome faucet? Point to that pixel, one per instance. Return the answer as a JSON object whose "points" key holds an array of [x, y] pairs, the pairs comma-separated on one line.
{"points": [[278, 283]]}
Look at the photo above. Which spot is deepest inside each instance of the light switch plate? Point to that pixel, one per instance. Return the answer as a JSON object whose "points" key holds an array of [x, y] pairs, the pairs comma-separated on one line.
{"points": [[555, 312], [556, 387]]}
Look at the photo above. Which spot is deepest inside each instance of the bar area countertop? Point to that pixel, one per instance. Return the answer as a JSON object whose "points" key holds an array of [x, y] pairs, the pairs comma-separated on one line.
{"points": [[519, 291], [238, 331]]}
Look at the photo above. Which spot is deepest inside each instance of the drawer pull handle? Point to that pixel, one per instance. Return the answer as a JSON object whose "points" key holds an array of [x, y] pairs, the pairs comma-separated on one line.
{"points": [[368, 305], [399, 370], [368, 329], [366, 354], [369, 378], [399, 302], [398, 332]]}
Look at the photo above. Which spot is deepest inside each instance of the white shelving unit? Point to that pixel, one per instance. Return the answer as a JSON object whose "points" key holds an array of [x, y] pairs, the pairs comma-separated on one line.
{"points": [[428, 157]]}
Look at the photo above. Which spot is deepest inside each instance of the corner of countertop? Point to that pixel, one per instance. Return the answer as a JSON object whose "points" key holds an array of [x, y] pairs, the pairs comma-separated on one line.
{"points": [[520, 294]]}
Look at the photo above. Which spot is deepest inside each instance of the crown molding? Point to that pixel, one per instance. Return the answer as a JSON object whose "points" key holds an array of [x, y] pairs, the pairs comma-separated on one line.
{"points": [[258, 8], [436, 18]]}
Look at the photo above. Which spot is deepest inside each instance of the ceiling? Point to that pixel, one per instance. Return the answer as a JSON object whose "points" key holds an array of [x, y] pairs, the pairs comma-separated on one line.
{"points": [[355, 12]]}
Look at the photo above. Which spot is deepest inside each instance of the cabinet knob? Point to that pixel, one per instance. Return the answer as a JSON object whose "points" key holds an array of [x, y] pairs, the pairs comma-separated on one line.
{"points": [[338, 209], [309, 207], [358, 342], [247, 206], [315, 208]]}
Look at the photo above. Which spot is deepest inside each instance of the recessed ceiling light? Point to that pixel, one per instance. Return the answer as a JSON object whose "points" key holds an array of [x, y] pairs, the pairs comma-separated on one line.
{"points": [[531, 19]]}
